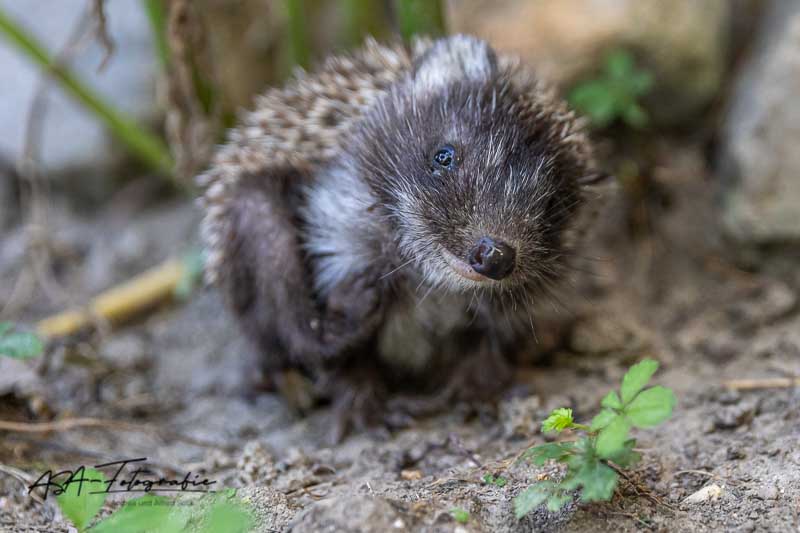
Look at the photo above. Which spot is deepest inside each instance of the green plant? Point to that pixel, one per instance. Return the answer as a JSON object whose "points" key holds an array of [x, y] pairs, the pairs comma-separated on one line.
{"points": [[424, 17], [19, 344], [592, 461], [615, 93], [459, 515], [498, 481], [81, 500], [220, 511], [297, 28], [149, 148]]}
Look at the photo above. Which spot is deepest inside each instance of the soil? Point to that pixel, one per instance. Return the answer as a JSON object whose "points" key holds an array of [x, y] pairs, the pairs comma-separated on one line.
{"points": [[667, 288]]}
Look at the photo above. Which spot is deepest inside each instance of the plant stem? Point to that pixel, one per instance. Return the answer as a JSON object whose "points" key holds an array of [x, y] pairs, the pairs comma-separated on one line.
{"points": [[147, 147], [361, 18], [299, 52], [420, 17], [157, 16]]}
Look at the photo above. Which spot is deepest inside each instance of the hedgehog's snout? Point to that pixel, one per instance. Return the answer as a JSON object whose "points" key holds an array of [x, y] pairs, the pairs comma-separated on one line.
{"points": [[492, 258]]}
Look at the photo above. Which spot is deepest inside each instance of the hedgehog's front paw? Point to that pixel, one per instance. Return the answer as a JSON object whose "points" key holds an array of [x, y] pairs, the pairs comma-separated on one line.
{"points": [[475, 383], [359, 402]]}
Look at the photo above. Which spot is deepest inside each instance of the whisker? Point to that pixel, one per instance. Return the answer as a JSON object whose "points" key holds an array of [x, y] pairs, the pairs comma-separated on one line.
{"points": [[396, 269]]}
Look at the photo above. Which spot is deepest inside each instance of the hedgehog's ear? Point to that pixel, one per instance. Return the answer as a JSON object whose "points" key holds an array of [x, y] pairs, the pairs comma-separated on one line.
{"points": [[597, 178], [456, 58]]}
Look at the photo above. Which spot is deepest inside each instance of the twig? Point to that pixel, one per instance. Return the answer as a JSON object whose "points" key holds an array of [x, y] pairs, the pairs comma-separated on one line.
{"points": [[765, 383], [23, 477], [704, 473], [640, 490], [65, 424], [118, 303], [192, 113], [68, 424], [98, 8]]}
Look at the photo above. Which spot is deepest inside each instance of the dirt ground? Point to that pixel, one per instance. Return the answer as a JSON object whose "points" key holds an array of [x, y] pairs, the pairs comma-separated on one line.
{"points": [[673, 292]]}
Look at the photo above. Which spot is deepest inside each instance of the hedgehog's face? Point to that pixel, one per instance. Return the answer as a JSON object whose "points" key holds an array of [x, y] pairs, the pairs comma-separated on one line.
{"points": [[481, 197]]}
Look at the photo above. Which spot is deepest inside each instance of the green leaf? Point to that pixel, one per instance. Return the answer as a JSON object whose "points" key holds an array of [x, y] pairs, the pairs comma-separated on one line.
{"points": [[532, 497], [636, 378], [498, 481], [612, 437], [634, 115], [229, 516], [77, 501], [651, 407], [619, 65], [154, 514], [641, 82], [19, 345], [598, 481], [597, 100], [559, 420], [539, 455], [557, 501], [612, 401], [603, 418], [460, 515], [626, 457]]}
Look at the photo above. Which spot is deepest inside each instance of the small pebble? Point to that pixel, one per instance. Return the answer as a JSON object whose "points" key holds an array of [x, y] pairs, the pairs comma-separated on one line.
{"points": [[767, 492], [709, 493], [410, 475]]}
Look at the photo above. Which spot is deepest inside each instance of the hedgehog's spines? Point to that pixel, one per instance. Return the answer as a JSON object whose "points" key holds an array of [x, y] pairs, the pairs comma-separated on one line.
{"points": [[304, 123]]}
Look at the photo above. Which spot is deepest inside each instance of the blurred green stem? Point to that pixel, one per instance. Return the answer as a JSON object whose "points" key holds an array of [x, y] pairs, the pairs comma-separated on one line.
{"points": [[361, 18], [424, 17], [147, 147], [299, 53], [157, 16]]}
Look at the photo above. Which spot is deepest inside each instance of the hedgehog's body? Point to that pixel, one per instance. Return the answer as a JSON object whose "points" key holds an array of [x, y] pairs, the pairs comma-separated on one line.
{"points": [[399, 206]]}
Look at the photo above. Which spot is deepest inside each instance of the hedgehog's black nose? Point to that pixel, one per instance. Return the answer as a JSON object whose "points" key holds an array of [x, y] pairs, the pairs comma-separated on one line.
{"points": [[491, 258]]}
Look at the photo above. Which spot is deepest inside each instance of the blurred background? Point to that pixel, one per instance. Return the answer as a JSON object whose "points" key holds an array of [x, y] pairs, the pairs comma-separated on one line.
{"points": [[109, 108]]}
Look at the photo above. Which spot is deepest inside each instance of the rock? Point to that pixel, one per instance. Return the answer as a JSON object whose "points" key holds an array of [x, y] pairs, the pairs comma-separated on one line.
{"points": [[759, 161], [709, 493], [271, 509], [256, 465], [520, 415], [353, 512], [767, 492], [566, 41], [733, 416], [127, 351]]}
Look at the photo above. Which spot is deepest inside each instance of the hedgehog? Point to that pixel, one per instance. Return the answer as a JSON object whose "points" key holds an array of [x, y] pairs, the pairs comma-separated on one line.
{"points": [[396, 217]]}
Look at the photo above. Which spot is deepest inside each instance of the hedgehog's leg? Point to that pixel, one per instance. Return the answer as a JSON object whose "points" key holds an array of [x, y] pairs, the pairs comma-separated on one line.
{"points": [[263, 276], [480, 377], [267, 283], [355, 382]]}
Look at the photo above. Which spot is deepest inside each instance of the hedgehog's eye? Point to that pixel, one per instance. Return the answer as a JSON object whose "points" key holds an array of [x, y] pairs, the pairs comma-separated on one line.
{"points": [[444, 157]]}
